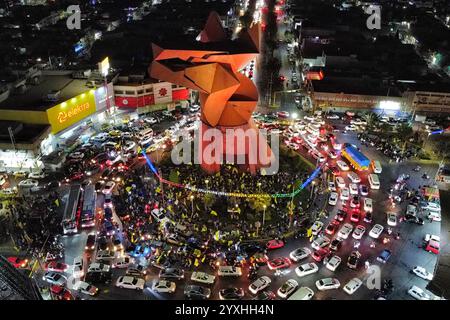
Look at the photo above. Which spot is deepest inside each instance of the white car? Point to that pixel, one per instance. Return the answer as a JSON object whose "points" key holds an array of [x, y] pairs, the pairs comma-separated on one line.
{"points": [[333, 263], [78, 267], [317, 227], [36, 175], [126, 135], [332, 186], [259, 284], [122, 262], [351, 127], [129, 145], [345, 231], [299, 254], [327, 284], [418, 293], [229, 271], [354, 177], [368, 205], [99, 267], [376, 231], [391, 219], [127, 282], [85, 288], [320, 242], [306, 269], [358, 232], [352, 285], [432, 206], [304, 293], [342, 165], [203, 277], [345, 194], [28, 183], [108, 187], [76, 155], [422, 273], [164, 286], [150, 120], [340, 182], [332, 200], [353, 189], [287, 288], [146, 140]]}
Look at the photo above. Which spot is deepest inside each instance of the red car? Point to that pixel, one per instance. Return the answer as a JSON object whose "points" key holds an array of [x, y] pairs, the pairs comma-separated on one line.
{"points": [[61, 293], [332, 226], [18, 262], [320, 254], [279, 263], [283, 114], [354, 217], [56, 266], [274, 244], [75, 176]]}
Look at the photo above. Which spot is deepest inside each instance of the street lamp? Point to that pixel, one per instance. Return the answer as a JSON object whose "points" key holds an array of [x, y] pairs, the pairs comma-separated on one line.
{"points": [[206, 181], [295, 115], [264, 215], [192, 205]]}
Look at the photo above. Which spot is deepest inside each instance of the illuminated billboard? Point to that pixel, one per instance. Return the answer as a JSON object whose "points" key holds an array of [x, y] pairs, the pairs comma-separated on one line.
{"points": [[71, 111]]}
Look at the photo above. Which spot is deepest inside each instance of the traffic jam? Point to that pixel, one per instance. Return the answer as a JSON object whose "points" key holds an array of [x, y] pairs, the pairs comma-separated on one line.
{"points": [[352, 233]]}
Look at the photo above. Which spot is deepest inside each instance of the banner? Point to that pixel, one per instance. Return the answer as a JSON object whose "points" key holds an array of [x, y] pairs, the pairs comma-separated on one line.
{"points": [[162, 92]]}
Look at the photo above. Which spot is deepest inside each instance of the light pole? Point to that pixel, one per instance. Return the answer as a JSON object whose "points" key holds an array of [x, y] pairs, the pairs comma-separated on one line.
{"points": [[192, 205], [264, 215], [312, 189], [206, 181]]}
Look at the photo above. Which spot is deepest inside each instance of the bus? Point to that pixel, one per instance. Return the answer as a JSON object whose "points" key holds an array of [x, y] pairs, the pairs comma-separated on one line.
{"points": [[72, 210], [356, 158], [374, 181], [89, 206]]}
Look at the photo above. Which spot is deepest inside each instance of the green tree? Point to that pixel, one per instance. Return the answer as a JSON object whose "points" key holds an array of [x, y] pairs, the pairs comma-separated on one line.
{"points": [[371, 119]]}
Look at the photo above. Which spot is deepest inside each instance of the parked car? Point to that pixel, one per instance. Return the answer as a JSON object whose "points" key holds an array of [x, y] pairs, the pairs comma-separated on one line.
{"points": [[203, 277], [287, 288], [197, 292], [353, 285], [418, 293], [127, 282], [353, 260], [422, 273], [54, 278], [328, 284], [299, 254], [384, 256], [85, 288], [259, 284], [376, 231], [164, 286], [231, 293], [306, 269]]}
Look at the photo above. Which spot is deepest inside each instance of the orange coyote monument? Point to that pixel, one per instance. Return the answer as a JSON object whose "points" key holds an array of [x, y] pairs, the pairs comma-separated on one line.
{"points": [[211, 66]]}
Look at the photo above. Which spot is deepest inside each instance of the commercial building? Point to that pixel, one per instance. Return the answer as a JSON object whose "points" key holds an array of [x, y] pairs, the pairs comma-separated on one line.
{"points": [[38, 118], [134, 91]]}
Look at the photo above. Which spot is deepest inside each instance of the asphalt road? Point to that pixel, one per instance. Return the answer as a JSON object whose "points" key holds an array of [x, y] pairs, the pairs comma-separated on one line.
{"points": [[406, 251]]}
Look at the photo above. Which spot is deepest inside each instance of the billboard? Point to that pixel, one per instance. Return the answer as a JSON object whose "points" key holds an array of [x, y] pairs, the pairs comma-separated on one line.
{"points": [[71, 111]]}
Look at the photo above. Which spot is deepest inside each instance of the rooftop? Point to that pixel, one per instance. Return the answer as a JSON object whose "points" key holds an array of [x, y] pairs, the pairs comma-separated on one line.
{"points": [[34, 96]]}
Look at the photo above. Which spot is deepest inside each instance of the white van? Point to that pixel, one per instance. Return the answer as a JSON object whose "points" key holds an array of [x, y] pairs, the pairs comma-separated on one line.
{"points": [[374, 181], [376, 166], [229, 271], [144, 133]]}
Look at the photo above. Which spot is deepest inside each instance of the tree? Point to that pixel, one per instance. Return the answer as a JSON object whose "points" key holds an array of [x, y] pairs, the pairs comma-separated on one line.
{"points": [[258, 204], [371, 118]]}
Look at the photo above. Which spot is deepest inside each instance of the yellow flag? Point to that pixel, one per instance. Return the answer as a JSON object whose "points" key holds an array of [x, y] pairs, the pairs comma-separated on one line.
{"points": [[57, 202], [213, 213], [309, 233]]}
